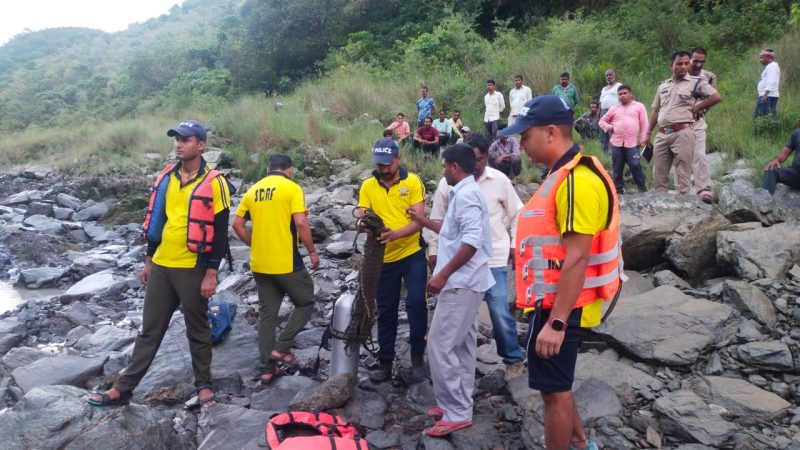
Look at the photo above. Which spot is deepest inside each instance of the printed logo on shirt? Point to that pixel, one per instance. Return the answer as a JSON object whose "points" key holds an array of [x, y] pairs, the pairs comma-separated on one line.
{"points": [[403, 190]]}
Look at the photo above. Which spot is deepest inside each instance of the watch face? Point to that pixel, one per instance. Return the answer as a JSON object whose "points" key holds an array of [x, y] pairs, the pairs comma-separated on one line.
{"points": [[557, 324]]}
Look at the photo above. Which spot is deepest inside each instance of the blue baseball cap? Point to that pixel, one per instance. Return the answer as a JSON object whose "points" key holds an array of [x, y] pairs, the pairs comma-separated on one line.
{"points": [[385, 151], [189, 128], [542, 110]]}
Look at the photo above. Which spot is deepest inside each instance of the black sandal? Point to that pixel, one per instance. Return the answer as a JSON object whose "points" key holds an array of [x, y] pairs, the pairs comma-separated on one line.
{"points": [[206, 402], [123, 399]]}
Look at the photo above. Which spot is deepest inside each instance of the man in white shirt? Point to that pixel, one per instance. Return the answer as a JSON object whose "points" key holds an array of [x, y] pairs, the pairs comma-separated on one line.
{"points": [[495, 104], [608, 99], [767, 101], [445, 128], [517, 98], [503, 203]]}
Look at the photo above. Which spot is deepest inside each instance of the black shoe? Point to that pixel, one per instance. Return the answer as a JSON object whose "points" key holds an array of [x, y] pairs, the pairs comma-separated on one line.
{"points": [[382, 373]]}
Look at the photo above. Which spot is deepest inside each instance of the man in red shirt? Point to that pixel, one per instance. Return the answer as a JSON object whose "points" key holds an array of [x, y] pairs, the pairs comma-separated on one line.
{"points": [[427, 137], [627, 124]]}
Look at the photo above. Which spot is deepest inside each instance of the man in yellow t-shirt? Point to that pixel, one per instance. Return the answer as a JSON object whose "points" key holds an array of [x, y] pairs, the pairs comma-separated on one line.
{"points": [[174, 275], [276, 207], [581, 203], [390, 192]]}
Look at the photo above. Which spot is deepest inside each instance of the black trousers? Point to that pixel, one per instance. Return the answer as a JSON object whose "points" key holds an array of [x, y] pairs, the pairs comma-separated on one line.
{"points": [[789, 176]]}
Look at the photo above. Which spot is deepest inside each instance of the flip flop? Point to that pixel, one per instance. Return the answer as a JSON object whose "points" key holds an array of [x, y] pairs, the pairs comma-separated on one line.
{"points": [[208, 402], [286, 358], [269, 375], [436, 413], [123, 399], [442, 428]]}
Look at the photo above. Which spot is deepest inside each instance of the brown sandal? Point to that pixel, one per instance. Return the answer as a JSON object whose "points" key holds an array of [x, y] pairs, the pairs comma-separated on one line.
{"points": [[286, 358], [269, 375]]}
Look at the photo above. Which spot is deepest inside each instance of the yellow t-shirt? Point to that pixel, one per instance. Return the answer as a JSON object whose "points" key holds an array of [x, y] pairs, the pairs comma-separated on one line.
{"points": [[582, 207], [391, 204], [172, 251], [270, 204]]}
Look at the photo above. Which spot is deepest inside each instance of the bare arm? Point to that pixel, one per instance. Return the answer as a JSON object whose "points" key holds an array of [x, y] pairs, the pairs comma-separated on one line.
{"points": [[464, 253], [304, 232], [778, 160], [241, 230], [652, 125], [411, 228], [706, 104]]}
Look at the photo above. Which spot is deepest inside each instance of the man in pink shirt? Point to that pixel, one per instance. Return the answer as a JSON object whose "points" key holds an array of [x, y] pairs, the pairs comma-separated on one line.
{"points": [[401, 128], [627, 124]]}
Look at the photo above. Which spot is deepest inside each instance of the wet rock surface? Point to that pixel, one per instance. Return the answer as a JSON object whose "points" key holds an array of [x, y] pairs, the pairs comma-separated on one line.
{"points": [[700, 351]]}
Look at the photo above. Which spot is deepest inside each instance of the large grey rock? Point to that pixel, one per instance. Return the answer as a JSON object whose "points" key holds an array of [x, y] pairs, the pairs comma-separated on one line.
{"points": [[618, 375], [341, 249], [12, 331], [755, 252], [239, 351], [749, 403], [666, 326], [61, 369], [596, 399], [278, 395], [68, 201], [43, 224], [741, 202], [669, 278], [92, 213], [786, 204], [90, 263], [79, 314], [21, 198], [344, 195], [172, 364], [41, 208], [366, 408], [106, 339], [62, 213], [750, 300], [58, 417], [692, 247], [91, 285], [226, 427], [483, 434], [344, 216], [771, 355], [41, 276], [684, 415], [647, 220], [335, 392], [21, 356], [635, 285]]}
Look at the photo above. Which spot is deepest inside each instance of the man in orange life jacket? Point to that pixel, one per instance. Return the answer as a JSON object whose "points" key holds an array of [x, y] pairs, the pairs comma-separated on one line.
{"points": [[186, 228], [567, 260]]}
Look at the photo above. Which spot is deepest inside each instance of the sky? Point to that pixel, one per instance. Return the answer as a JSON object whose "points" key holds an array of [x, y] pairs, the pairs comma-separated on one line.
{"points": [[106, 15]]}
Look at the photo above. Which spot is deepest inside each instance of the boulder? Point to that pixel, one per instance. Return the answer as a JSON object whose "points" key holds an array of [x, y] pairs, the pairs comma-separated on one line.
{"points": [[79, 314], [91, 213], [341, 249], [43, 224], [646, 221], [691, 249], [40, 208], [92, 285], [635, 285], [61, 369], [278, 395], [749, 403], [41, 276], [21, 356], [669, 278], [21, 198], [684, 415], [62, 213], [750, 300], [741, 202], [344, 195], [618, 375], [344, 216], [787, 204], [226, 427], [238, 353], [666, 326], [333, 393], [366, 408], [90, 263], [322, 228], [107, 338], [172, 364], [595, 399], [755, 252], [68, 201], [770, 355], [12, 331]]}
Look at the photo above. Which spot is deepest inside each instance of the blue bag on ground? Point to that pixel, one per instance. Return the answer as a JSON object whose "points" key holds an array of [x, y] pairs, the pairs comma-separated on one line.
{"points": [[220, 319]]}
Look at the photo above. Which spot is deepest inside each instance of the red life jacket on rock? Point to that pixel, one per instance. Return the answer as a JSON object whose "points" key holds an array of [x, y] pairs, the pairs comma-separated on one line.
{"points": [[200, 223], [303, 430]]}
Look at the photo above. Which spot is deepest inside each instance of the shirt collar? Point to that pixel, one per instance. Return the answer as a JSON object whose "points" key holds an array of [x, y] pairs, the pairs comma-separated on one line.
{"points": [[464, 182], [403, 176], [486, 175], [200, 171], [566, 157], [278, 173]]}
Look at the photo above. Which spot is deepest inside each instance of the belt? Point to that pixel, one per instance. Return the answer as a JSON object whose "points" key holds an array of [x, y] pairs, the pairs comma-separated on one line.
{"points": [[674, 128]]}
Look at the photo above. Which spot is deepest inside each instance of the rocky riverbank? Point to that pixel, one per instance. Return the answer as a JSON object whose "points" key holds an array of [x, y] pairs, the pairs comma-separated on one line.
{"points": [[700, 352]]}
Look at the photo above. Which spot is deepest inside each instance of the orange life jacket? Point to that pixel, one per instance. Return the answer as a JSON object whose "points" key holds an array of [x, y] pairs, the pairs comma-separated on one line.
{"points": [[304, 430], [540, 251], [200, 223]]}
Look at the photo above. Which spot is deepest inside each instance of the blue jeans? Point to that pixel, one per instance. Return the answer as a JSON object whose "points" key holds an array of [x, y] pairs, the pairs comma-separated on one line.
{"points": [[413, 270], [503, 324], [770, 107], [630, 155]]}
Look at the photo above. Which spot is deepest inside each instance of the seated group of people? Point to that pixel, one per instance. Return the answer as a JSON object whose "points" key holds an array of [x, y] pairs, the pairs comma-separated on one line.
{"points": [[432, 136]]}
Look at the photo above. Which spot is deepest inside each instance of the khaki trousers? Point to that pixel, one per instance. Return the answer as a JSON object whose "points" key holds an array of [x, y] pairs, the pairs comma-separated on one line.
{"points": [[672, 148], [701, 172]]}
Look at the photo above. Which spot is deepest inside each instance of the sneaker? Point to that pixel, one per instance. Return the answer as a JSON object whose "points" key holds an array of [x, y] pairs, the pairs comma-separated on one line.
{"points": [[514, 370], [382, 372]]}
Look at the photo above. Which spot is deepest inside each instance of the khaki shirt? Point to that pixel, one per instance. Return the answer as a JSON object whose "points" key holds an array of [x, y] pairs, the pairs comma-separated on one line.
{"points": [[674, 100]]}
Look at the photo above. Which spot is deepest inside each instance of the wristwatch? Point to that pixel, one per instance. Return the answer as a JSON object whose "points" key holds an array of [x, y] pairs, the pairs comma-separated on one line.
{"points": [[557, 324]]}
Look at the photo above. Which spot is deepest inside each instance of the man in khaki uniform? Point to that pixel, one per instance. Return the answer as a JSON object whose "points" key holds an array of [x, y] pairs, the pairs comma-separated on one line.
{"points": [[702, 175], [675, 110]]}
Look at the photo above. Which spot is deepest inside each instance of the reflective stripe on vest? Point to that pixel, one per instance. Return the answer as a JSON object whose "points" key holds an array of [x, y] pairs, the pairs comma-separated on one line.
{"points": [[541, 250]]}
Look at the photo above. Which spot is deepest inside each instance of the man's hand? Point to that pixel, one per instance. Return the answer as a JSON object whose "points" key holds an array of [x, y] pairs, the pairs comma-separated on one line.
{"points": [[144, 276], [548, 342], [436, 283], [648, 139], [642, 142], [314, 260], [414, 215], [764, 99], [208, 287], [432, 262], [774, 164], [388, 236]]}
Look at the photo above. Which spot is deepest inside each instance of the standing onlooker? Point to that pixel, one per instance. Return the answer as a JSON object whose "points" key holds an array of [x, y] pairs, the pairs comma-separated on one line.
{"points": [[504, 156], [567, 91], [427, 138], [401, 128], [426, 106], [588, 124], [461, 278], [627, 125], [790, 176], [186, 228], [768, 85], [700, 171], [675, 110], [503, 203], [517, 98], [277, 208], [390, 192], [495, 104], [456, 124], [444, 127], [609, 98]]}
